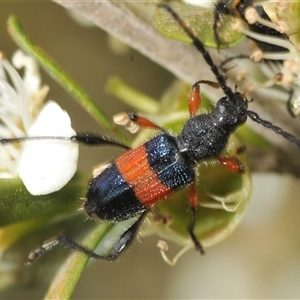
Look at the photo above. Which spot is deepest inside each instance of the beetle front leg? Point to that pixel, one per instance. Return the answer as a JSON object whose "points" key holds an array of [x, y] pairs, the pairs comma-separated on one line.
{"points": [[132, 122], [195, 98]]}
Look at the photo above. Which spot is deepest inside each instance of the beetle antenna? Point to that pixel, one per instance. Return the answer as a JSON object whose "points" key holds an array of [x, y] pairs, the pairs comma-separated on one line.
{"points": [[288, 136], [86, 138], [198, 44]]}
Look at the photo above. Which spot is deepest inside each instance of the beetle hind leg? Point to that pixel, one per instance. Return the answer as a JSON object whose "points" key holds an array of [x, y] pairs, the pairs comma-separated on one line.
{"points": [[63, 240]]}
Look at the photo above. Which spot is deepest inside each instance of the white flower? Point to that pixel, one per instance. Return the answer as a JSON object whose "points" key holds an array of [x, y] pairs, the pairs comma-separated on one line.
{"points": [[44, 166]]}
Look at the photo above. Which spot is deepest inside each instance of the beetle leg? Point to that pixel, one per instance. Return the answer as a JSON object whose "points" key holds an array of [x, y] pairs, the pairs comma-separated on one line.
{"points": [[195, 95], [231, 164], [142, 122], [289, 104], [63, 240], [193, 201], [132, 122]]}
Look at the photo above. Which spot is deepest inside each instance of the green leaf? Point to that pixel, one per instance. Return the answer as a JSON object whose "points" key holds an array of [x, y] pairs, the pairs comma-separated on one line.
{"points": [[291, 17], [17, 204], [200, 20]]}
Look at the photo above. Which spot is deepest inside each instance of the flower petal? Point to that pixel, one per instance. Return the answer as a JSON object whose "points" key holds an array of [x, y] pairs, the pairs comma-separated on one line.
{"points": [[47, 165]]}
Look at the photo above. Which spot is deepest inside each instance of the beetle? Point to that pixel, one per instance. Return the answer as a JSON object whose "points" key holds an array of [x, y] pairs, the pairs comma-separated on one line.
{"points": [[142, 177], [238, 9]]}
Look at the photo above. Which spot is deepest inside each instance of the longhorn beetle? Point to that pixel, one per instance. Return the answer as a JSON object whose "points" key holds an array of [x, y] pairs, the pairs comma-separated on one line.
{"points": [[238, 9], [141, 177]]}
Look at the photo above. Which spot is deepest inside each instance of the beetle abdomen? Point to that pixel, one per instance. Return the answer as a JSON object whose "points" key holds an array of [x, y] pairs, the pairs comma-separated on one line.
{"points": [[138, 179]]}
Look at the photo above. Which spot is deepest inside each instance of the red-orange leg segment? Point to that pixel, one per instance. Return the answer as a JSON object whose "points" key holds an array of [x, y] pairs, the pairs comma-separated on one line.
{"points": [[231, 164], [193, 201], [194, 99], [142, 122], [195, 95]]}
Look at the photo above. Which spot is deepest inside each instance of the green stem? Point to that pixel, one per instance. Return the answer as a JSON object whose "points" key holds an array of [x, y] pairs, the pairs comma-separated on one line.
{"points": [[139, 101], [69, 273], [27, 44]]}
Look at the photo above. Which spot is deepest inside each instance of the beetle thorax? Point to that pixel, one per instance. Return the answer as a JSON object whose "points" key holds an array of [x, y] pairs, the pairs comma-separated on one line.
{"points": [[206, 135]]}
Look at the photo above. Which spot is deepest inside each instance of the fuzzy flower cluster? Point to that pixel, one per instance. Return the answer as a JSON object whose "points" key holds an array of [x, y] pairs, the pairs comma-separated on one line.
{"points": [[280, 68], [43, 165], [285, 67]]}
